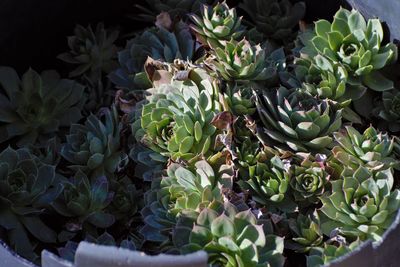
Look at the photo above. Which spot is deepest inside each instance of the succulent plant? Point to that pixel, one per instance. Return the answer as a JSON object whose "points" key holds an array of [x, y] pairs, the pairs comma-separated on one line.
{"points": [[36, 107], [182, 189], [297, 121], [85, 202], [240, 61], [233, 238], [268, 183], [389, 110], [326, 80], [159, 43], [239, 99], [177, 120], [321, 256], [275, 19], [27, 188], [93, 51], [357, 45], [306, 233], [94, 147], [175, 8], [217, 25], [308, 179], [362, 204], [372, 149]]}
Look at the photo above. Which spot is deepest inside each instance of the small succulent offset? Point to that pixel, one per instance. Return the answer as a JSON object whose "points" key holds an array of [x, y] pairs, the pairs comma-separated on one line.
{"points": [[321, 256], [165, 42], [177, 121], [362, 204], [94, 147], [308, 179], [239, 99], [85, 202], [389, 110], [275, 19], [27, 188], [217, 25], [357, 45], [297, 121], [93, 51], [241, 61], [373, 149], [36, 107], [234, 238], [181, 190], [306, 233]]}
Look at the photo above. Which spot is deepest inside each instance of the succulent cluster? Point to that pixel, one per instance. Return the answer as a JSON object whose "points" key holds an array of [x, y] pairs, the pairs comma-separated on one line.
{"points": [[239, 136]]}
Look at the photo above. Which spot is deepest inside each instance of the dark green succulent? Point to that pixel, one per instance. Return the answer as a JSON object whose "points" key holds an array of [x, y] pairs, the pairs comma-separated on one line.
{"points": [[94, 147], [372, 149], [322, 256], [275, 19], [389, 110], [166, 44], [240, 99], [357, 45], [308, 179], [306, 233], [27, 189], [362, 204], [181, 190], [233, 238], [217, 25], [241, 61], [85, 202], [177, 120], [36, 107], [93, 51], [297, 121]]}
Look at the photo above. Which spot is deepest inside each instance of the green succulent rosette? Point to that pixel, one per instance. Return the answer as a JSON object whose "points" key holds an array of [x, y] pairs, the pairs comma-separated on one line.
{"points": [[92, 50], [372, 149], [357, 45], [36, 107], [389, 111], [239, 99], [232, 238], [362, 204], [275, 19], [94, 147], [306, 233], [27, 188], [296, 121], [217, 25]]}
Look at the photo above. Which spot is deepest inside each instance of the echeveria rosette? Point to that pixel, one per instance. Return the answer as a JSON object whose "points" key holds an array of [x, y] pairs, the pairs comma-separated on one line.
{"points": [[275, 19], [239, 99], [241, 61], [372, 149], [233, 238], [297, 121], [217, 25], [177, 121], [93, 51], [180, 190], [94, 147], [309, 179], [36, 107], [27, 188], [389, 111], [158, 43], [306, 233], [268, 183], [357, 45], [322, 256], [362, 204], [85, 202]]}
